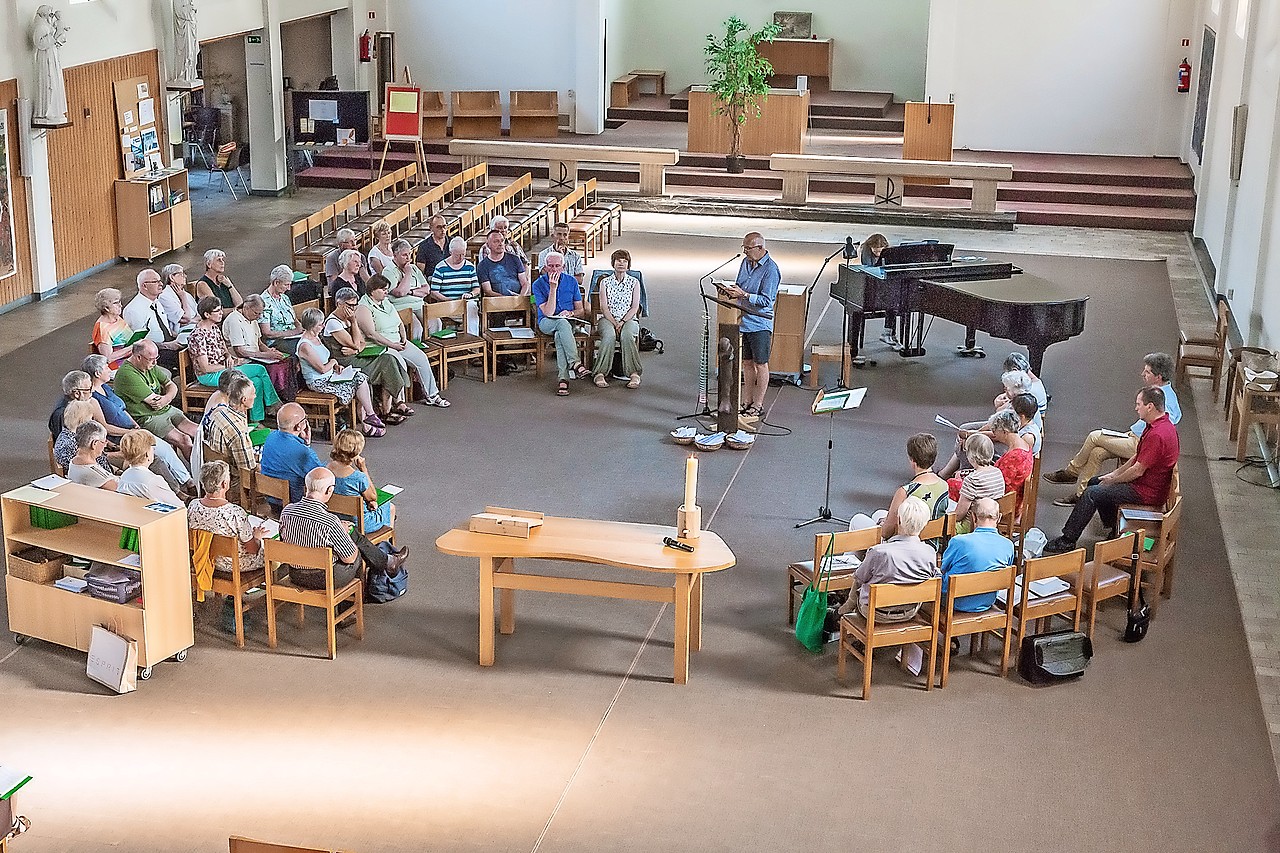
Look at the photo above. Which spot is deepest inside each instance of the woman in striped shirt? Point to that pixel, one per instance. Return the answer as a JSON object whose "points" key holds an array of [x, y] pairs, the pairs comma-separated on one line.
{"points": [[455, 278]]}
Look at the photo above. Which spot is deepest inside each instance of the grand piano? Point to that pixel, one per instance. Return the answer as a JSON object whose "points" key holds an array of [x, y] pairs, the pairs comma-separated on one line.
{"points": [[921, 280]]}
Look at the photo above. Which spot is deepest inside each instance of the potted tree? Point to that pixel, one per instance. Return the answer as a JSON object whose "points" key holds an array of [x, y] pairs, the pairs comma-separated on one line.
{"points": [[739, 78]]}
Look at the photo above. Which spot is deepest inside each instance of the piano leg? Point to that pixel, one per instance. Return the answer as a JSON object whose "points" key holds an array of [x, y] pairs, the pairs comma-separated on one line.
{"points": [[911, 347], [970, 348], [1035, 355], [855, 331]]}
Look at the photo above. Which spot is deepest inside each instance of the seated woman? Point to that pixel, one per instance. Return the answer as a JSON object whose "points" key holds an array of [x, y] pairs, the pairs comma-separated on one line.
{"points": [[380, 323], [77, 413], [216, 282], [219, 516], [556, 298], [904, 559], [409, 287], [138, 447], [984, 481], [922, 452], [869, 256], [342, 336], [351, 477], [455, 278], [1018, 361], [110, 333], [619, 308], [351, 273], [1017, 462], [210, 357], [381, 255], [86, 466], [179, 305], [1015, 382], [317, 364]]}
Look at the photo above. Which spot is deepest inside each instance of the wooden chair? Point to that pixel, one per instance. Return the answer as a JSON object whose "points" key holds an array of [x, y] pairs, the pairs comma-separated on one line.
{"points": [[1160, 560], [235, 586], [800, 575], [265, 486], [352, 506], [1103, 577], [959, 623], [191, 394], [534, 114], [822, 353], [459, 349], [54, 467], [874, 635], [280, 590], [477, 114], [1233, 368], [1251, 405], [1042, 608], [1008, 523], [1204, 353], [502, 343]]}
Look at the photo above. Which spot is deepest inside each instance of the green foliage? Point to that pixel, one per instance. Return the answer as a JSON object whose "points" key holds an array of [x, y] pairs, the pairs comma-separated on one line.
{"points": [[739, 76]]}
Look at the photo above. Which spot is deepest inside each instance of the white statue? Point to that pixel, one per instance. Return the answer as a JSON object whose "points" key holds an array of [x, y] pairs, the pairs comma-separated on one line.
{"points": [[47, 36], [185, 41]]}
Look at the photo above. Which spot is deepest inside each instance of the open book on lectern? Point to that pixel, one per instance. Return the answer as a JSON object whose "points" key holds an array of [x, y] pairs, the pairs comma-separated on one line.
{"points": [[834, 401]]}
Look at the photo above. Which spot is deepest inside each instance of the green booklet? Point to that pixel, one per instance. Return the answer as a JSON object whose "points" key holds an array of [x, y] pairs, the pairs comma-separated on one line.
{"points": [[135, 337], [387, 492], [444, 334], [258, 434], [371, 351], [10, 781]]}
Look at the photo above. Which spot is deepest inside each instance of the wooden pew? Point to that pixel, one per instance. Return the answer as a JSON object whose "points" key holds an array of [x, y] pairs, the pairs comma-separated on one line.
{"points": [[890, 175], [563, 158]]}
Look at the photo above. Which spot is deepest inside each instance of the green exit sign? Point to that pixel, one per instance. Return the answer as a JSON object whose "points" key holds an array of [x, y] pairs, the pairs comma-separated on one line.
{"points": [[253, 39]]}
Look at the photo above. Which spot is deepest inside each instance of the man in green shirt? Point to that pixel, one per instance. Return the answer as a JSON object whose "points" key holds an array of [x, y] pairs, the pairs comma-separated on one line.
{"points": [[147, 390]]}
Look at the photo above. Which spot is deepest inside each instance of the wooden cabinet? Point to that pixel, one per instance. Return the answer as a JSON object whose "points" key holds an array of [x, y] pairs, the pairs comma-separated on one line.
{"points": [[153, 215], [160, 621], [779, 129], [790, 314]]}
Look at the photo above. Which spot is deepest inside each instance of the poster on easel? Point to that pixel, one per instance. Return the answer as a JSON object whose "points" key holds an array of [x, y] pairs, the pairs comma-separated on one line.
{"points": [[402, 113]]}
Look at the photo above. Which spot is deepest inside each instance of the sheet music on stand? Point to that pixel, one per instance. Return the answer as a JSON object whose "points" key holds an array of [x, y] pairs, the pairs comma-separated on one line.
{"points": [[835, 401], [940, 420]]}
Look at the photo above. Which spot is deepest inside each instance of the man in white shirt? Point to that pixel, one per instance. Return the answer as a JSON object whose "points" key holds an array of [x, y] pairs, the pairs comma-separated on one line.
{"points": [[560, 244], [144, 311]]}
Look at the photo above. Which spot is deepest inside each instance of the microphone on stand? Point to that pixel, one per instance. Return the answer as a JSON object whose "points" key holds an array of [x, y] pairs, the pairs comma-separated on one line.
{"points": [[844, 248], [717, 269], [849, 252]]}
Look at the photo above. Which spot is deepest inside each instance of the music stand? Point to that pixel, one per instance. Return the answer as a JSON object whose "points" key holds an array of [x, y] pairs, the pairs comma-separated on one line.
{"points": [[828, 403]]}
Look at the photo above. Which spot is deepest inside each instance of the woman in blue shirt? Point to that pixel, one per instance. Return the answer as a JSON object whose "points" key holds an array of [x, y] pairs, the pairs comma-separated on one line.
{"points": [[557, 299]]}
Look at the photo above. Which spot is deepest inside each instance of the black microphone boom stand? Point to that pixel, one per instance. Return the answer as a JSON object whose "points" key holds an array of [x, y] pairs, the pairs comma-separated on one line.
{"points": [[704, 368]]}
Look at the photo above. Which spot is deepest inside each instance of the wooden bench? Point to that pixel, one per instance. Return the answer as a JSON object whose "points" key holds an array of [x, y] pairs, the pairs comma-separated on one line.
{"points": [[659, 79], [435, 115], [890, 175], [535, 114], [477, 114], [624, 90], [563, 158]]}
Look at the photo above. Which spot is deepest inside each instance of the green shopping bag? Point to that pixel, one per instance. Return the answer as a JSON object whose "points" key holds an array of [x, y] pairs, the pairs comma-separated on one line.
{"points": [[813, 607]]}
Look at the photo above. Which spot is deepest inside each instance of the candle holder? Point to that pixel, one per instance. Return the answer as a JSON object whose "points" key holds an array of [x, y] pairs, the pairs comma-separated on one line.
{"points": [[689, 522]]}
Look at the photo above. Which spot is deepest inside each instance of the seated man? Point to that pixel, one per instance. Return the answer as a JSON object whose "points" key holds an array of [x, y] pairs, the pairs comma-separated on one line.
{"points": [[76, 385], [1144, 479], [145, 311], [980, 551], [308, 522], [279, 323], [501, 273], [226, 430], [243, 334], [502, 225], [572, 260], [287, 453], [903, 559], [147, 390], [434, 248], [1104, 444]]}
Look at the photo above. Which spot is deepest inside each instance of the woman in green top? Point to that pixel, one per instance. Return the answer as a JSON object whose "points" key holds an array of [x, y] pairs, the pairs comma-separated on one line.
{"points": [[379, 321]]}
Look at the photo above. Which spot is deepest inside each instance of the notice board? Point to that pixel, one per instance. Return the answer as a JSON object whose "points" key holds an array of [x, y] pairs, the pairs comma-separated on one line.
{"points": [[318, 116]]}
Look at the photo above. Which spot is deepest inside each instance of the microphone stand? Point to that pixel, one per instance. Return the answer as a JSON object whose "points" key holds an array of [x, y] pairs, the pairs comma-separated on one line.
{"points": [[849, 252], [704, 371]]}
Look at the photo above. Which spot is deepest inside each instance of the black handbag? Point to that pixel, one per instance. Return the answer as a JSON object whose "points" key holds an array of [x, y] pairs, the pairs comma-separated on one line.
{"points": [[1135, 627], [1056, 656]]}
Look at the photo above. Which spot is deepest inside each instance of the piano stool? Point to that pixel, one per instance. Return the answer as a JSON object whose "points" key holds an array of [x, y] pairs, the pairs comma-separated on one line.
{"points": [[838, 353]]}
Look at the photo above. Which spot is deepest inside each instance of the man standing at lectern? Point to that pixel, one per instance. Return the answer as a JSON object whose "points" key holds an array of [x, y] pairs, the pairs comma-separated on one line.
{"points": [[756, 290]]}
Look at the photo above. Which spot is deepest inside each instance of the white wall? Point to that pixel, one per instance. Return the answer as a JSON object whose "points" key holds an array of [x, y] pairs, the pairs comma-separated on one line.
{"points": [[879, 45], [1087, 77]]}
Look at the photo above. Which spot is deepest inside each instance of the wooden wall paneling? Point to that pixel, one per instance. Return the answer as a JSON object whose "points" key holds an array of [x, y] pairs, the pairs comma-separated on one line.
{"points": [[84, 160], [20, 284]]}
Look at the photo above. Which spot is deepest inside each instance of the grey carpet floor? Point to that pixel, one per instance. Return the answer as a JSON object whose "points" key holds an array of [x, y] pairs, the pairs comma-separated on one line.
{"points": [[576, 739]]}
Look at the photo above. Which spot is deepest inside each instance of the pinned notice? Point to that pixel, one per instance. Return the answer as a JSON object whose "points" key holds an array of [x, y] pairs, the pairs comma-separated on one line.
{"points": [[321, 110]]}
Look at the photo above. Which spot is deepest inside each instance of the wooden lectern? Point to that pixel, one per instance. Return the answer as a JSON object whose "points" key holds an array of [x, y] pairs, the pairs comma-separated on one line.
{"points": [[927, 135]]}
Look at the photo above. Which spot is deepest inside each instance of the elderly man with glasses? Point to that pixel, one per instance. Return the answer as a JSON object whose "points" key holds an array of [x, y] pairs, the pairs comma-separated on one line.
{"points": [[147, 390], [76, 385], [756, 291], [145, 311]]}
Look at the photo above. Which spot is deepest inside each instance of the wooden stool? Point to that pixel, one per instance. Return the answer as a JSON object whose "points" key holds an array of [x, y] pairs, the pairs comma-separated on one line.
{"points": [[838, 353]]}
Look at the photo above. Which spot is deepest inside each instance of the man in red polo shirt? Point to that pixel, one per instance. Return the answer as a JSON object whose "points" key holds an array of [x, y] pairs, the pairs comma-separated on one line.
{"points": [[1144, 479]]}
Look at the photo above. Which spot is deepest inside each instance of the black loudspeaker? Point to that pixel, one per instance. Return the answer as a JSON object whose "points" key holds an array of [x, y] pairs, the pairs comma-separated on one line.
{"points": [[1057, 656]]}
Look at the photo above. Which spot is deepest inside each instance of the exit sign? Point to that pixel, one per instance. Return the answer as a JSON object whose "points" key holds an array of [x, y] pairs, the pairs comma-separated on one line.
{"points": [[253, 39]]}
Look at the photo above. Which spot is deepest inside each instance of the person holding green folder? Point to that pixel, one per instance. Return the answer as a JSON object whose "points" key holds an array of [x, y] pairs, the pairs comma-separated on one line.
{"points": [[343, 338], [210, 357], [112, 336], [351, 477], [380, 322]]}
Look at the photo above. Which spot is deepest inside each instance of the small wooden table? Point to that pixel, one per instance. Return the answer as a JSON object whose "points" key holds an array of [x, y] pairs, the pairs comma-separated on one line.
{"points": [[610, 543]]}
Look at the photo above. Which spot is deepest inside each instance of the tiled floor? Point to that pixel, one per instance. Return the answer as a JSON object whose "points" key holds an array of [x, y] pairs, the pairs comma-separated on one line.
{"points": [[1252, 547]]}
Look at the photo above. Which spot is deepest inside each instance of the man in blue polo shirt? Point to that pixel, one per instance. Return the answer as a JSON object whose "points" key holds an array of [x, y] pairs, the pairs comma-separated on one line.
{"points": [[287, 453], [980, 551], [756, 289]]}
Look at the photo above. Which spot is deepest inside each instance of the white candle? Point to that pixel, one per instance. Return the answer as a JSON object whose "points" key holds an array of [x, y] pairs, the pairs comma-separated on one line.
{"points": [[690, 482]]}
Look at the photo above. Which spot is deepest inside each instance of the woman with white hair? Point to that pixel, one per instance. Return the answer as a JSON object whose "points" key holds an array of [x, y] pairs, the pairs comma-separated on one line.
{"points": [[1015, 382], [351, 273], [556, 298], [111, 333], [179, 305], [901, 559], [279, 322], [347, 239], [455, 278], [86, 466], [409, 287], [216, 282]]}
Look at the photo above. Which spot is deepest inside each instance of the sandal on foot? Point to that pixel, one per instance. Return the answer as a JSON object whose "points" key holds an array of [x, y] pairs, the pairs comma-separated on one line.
{"points": [[580, 371], [634, 381], [438, 402], [374, 421], [601, 382], [403, 409], [562, 389], [371, 431]]}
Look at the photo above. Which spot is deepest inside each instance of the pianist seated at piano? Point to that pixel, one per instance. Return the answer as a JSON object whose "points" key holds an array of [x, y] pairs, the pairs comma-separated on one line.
{"points": [[869, 256]]}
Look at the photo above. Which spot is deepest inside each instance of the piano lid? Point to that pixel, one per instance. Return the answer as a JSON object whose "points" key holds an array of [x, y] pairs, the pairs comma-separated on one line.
{"points": [[917, 253], [1022, 289]]}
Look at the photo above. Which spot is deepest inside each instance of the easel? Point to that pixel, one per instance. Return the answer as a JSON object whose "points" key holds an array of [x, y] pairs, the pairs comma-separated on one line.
{"points": [[402, 121]]}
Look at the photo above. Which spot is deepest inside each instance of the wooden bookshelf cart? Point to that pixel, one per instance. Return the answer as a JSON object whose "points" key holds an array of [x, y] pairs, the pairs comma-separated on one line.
{"points": [[161, 622], [153, 215]]}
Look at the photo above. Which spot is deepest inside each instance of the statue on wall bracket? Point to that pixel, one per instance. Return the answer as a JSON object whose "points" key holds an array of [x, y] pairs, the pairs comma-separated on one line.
{"points": [[48, 35]]}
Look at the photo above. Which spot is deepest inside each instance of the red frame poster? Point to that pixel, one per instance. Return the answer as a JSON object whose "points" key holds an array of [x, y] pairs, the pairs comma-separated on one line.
{"points": [[399, 122]]}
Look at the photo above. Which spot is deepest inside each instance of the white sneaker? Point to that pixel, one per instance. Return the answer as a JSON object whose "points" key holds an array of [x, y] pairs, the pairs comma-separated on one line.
{"points": [[889, 338]]}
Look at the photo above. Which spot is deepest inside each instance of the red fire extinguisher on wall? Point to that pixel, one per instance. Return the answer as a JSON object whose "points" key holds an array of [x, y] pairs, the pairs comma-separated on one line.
{"points": [[1184, 76], [366, 47]]}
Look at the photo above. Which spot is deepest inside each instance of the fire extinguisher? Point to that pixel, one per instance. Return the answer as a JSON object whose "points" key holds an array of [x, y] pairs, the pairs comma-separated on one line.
{"points": [[366, 47], [1184, 76]]}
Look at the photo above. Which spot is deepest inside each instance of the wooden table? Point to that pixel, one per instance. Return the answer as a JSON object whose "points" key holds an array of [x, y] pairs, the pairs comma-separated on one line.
{"points": [[610, 543]]}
